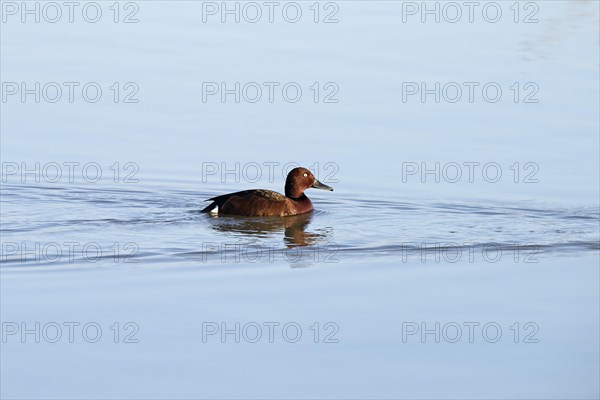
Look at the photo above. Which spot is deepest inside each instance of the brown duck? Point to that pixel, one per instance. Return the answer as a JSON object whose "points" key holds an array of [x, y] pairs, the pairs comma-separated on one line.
{"points": [[267, 203]]}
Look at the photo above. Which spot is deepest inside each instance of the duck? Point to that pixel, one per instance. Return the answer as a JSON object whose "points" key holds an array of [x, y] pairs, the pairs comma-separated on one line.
{"points": [[267, 203]]}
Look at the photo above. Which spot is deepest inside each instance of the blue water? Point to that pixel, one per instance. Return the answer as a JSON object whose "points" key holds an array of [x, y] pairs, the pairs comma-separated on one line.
{"points": [[457, 256]]}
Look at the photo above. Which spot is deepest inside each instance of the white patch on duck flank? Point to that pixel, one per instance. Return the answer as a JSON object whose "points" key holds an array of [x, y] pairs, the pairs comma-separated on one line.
{"points": [[215, 210]]}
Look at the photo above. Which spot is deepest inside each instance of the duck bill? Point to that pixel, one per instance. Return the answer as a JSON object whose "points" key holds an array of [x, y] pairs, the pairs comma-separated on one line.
{"points": [[319, 185]]}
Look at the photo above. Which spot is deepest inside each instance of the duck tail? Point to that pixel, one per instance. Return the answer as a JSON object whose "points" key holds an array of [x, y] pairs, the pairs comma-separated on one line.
{"points": [[218, 201], [212, 208]]}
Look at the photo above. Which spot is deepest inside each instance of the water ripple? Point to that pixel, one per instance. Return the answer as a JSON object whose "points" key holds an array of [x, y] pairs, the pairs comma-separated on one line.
{"points": [[166, 224]]}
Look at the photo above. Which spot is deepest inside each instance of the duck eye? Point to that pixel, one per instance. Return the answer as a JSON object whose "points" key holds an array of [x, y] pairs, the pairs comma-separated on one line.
{"points": [[305, 174]]}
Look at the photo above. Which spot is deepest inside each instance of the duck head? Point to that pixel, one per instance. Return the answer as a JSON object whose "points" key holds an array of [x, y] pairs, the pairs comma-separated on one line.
{"points": [[298, 180]]}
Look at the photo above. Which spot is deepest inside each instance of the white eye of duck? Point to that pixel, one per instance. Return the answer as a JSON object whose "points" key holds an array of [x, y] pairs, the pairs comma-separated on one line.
{"points": [[305, 174]]}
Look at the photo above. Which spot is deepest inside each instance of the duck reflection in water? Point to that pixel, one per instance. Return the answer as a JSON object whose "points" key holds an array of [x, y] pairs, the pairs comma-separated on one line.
{"points": [[293, 228]]}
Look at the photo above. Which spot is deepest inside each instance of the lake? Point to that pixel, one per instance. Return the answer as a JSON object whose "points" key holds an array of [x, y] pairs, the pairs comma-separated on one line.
{"points": [[457, 257]]}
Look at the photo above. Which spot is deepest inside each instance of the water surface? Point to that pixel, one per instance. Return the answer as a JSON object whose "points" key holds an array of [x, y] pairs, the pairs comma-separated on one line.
{"points": [[391, 249]]}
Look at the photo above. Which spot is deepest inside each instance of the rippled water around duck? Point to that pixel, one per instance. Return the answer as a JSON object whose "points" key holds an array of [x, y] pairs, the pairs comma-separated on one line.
{"points": [[164, 224]]}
